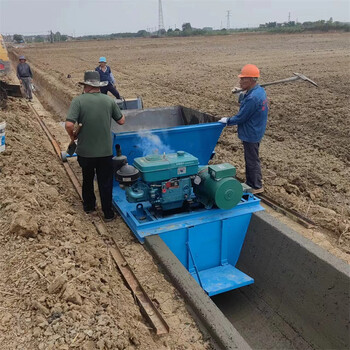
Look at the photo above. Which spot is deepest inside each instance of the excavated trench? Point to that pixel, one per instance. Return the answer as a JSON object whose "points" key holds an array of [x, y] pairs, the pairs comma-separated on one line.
{"points": [[300, 298]]}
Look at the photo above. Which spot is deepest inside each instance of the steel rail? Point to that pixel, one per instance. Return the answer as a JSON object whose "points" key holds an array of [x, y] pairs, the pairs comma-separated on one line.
{"points": [[290, 213], [279, 208], [146, 305]]}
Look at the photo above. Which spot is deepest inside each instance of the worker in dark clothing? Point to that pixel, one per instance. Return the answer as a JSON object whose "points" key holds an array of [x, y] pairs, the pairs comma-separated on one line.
{"points": [[94, 149], [25, 76], [106, 75], [251, 121]]}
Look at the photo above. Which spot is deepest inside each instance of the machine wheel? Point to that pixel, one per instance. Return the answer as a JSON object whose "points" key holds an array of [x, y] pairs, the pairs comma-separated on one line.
{"points": [[3, 98]]}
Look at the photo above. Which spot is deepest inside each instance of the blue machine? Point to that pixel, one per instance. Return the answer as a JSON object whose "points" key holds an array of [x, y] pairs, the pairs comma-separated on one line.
{"points": [[208, 242]]}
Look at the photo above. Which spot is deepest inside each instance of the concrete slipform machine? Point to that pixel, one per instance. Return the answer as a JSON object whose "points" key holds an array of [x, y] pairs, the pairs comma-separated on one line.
{"points": [[278, 289], [250, 280]]}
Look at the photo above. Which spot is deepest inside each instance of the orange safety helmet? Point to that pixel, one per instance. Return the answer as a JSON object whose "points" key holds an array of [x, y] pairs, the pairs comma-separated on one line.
{"points": [[250, 71]]}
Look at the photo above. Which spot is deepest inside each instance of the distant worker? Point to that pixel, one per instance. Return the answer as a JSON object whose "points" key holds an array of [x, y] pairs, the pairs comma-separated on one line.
{"points": [[251, 121], [25, 76], [94, 149], [106, 75]]}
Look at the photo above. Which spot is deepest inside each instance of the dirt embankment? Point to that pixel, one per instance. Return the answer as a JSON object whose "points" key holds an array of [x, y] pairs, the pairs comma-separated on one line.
{"points": [[59, 288], [305, 152]]}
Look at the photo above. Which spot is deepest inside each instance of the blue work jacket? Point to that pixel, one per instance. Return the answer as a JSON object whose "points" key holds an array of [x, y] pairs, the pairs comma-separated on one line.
{"points": [[252, 116], [106, 76]]}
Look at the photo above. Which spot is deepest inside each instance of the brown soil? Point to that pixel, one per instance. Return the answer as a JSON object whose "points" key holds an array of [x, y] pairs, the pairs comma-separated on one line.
{"points": [[59, 288], [305, 152]]}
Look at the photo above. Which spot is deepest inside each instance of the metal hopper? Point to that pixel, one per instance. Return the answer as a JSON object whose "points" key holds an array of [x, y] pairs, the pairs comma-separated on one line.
{"points": [[158, 130]]}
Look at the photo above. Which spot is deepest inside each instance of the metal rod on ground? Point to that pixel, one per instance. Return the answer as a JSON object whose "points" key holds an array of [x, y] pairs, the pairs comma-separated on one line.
{"points": [[57, 148], [290, 213], [147, 307], [145, 303]]}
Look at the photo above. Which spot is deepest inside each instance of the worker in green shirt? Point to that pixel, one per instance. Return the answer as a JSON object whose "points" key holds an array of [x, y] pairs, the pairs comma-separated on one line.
{"points": [[94, 110]]}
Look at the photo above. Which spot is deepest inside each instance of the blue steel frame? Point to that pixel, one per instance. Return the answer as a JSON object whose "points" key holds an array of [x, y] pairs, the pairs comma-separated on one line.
{"points": [[207, 242]]}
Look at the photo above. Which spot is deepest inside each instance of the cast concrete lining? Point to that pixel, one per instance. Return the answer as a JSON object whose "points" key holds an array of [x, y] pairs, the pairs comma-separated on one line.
{"points": [[217, 325], [298, 281], [300, 298]]}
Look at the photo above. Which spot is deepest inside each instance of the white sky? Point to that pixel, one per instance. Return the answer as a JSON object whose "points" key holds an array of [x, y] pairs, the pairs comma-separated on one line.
{"points": [[82, 17]]}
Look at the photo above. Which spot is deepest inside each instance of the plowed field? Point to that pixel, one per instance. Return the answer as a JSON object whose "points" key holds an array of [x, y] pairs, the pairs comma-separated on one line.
{"points": [[305, 152]]}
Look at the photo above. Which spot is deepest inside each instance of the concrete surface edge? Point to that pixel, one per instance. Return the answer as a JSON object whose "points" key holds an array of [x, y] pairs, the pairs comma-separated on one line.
{"points": [[217, 325], [312, 247], [303, 283]]}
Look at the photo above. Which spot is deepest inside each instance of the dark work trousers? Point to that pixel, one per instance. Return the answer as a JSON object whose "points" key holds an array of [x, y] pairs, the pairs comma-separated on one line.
{"points": [[27, 84], [111, 89], [252, 164], [104, 171]]}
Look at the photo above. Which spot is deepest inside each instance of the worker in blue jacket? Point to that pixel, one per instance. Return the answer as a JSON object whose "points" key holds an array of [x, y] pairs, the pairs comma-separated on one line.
{"points": [[107, 75], [251, 123]]}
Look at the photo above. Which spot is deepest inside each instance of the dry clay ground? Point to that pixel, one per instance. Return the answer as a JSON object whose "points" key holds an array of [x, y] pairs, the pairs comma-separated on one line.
{"points": [[305, 153], [59, 288]]}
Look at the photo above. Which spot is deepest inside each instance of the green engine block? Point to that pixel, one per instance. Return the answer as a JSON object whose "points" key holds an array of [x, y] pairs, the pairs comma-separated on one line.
{"points": [[168, 180]]}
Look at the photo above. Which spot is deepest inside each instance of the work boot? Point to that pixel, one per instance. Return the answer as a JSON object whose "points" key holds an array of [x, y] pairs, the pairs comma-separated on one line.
{"points": [[89, 208], [109, 214], [257, 190], [110, 218]]}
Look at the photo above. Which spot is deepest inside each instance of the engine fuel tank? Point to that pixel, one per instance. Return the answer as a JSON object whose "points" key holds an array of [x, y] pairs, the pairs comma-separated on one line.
{"points": [[155, 167]]}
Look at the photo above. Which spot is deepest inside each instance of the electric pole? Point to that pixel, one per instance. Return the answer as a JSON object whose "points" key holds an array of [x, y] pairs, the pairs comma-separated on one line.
{"points": [[228, 19], [160, 17]]}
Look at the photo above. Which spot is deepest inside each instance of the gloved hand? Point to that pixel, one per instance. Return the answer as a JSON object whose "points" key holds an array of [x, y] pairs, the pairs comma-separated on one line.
{"points": [[236, 89], [223, 120]]}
